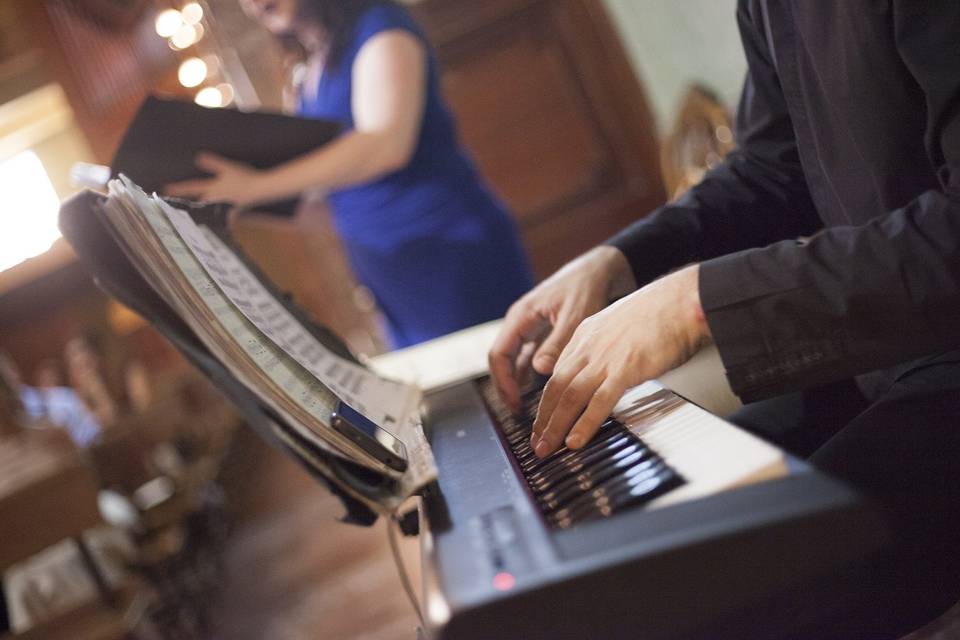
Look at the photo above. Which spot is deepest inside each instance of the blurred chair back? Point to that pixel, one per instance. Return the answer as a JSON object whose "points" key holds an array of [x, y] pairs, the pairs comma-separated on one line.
{"points": [[47, 494], [701, 135]]}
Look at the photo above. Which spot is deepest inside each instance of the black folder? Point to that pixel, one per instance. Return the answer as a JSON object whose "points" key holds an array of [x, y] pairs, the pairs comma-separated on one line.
{"points": [[165, 135]]}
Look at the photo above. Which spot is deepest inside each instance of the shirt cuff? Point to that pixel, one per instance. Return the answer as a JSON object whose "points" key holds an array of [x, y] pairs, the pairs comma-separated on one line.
{"points": [[765, 352]]}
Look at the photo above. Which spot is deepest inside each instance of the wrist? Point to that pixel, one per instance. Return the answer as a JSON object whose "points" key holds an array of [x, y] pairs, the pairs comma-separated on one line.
{"points": [[699, 328], [617, 271], [258, 186]]}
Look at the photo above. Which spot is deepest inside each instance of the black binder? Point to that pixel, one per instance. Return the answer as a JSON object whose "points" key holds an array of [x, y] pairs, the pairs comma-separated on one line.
{"points": [[165, 135]]}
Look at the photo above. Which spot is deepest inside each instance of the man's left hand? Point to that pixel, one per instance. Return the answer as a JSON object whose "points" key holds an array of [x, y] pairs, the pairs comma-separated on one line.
{"points": [[638, 338]]}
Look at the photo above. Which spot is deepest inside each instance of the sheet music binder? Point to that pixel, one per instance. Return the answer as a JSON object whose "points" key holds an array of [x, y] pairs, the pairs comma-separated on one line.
{"points": [[165, 135], [98, 251]]}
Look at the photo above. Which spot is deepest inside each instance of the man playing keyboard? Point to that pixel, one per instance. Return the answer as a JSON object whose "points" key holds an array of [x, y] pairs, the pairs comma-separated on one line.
{"points": [[822, 257]]}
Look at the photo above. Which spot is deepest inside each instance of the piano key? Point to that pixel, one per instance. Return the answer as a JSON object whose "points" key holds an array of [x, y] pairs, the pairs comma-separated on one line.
{"points": [[618, 447], [597, 502], [537, 468], [600, 493], [642, 494], [519, 436], [576, 486], [609, 437]]}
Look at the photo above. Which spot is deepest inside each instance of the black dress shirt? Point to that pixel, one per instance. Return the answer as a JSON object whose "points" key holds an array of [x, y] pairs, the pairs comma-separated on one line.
{"points": [[848, 134]]}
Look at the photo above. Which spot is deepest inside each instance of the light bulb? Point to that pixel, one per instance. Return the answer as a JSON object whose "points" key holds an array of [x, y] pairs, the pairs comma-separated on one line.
{"points": [[168, 22], [192, 72], [192, 13], [187, 36], [209, 97]]}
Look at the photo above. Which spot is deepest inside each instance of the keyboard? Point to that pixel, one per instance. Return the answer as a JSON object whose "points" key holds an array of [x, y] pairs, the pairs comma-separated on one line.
{"points": [[670, 523], [656, 449]]}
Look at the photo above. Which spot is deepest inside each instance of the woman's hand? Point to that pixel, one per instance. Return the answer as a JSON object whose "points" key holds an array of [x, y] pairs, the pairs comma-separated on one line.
{"points": [[540, 324], [633, 340], [388, 98], [230, 181]]}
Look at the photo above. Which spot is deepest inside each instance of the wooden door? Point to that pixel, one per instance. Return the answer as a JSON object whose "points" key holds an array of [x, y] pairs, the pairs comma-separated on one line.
{"points": [[549, 106]]}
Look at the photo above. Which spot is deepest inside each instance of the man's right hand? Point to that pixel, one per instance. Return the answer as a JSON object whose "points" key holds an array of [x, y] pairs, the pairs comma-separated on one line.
{"points": [[540, 324]]}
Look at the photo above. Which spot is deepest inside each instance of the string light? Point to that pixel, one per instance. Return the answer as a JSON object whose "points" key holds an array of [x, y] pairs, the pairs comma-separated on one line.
{"points": [[209, 97], [183, 29], [168, 23], [192, 72], [192, 13], [187, 36]]}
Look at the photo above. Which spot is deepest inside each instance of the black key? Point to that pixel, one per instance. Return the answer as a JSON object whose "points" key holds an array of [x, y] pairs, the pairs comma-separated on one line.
{"points": [[606, 432], [576, 487], [564, 453], [600, 496], [641, 494], [518, 436], [615, 447]]}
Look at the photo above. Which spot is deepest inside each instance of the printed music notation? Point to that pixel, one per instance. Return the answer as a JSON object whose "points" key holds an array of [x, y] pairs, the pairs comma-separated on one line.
{"points": [[382, 401], [256, 337]]}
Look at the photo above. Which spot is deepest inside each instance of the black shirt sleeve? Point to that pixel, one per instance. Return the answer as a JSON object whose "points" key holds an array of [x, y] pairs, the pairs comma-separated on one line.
{"points": [[856, 298], [756, 196]]}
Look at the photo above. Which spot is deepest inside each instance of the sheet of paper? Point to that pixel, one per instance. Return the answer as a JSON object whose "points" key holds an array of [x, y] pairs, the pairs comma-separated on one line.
{"points": [[383, 401], [441, 362]]}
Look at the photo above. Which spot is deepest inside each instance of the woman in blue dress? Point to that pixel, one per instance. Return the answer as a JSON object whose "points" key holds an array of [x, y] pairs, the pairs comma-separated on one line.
{"points": [[421, 231]]}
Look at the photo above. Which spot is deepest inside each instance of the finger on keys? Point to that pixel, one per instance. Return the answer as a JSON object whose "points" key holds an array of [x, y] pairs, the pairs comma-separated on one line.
{"points": [[502, 358], [596, 413], [559, 410], [551, 390], [546, 356], [523, 365]]}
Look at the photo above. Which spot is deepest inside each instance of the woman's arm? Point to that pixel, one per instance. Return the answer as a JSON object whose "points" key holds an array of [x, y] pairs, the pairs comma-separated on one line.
{"points": [[389, 94]]}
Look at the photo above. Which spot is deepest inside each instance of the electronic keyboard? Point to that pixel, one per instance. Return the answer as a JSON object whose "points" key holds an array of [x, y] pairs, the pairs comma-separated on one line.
{"points": [[670, 523]]}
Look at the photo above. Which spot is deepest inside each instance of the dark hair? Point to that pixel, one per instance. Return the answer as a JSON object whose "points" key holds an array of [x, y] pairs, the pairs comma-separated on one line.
{"points": [[337, 19]]}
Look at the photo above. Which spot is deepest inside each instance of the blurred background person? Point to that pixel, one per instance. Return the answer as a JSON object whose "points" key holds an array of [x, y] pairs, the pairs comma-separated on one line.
{"points": [[420, 229], [85, 378], [56, 405]]}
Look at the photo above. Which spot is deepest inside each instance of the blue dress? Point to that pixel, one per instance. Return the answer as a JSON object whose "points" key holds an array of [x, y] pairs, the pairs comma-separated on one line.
{"points": [[436, 248]]}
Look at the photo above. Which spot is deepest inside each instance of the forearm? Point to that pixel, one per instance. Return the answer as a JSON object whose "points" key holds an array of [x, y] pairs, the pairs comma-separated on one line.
{"points": [[354, 158], [850, 301], [741, 204]]}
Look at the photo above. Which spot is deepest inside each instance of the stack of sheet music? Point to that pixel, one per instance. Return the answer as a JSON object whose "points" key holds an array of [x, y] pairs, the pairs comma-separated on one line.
{"points": [[262, 344]]}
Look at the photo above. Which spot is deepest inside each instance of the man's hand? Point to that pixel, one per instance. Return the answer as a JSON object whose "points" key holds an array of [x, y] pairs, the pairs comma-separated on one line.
{"points": [[638, 338], [538, 326], [231, 182]]}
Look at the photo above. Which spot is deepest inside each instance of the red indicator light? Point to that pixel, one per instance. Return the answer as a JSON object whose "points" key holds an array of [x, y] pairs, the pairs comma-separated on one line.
{"points": [[504, 581]]}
